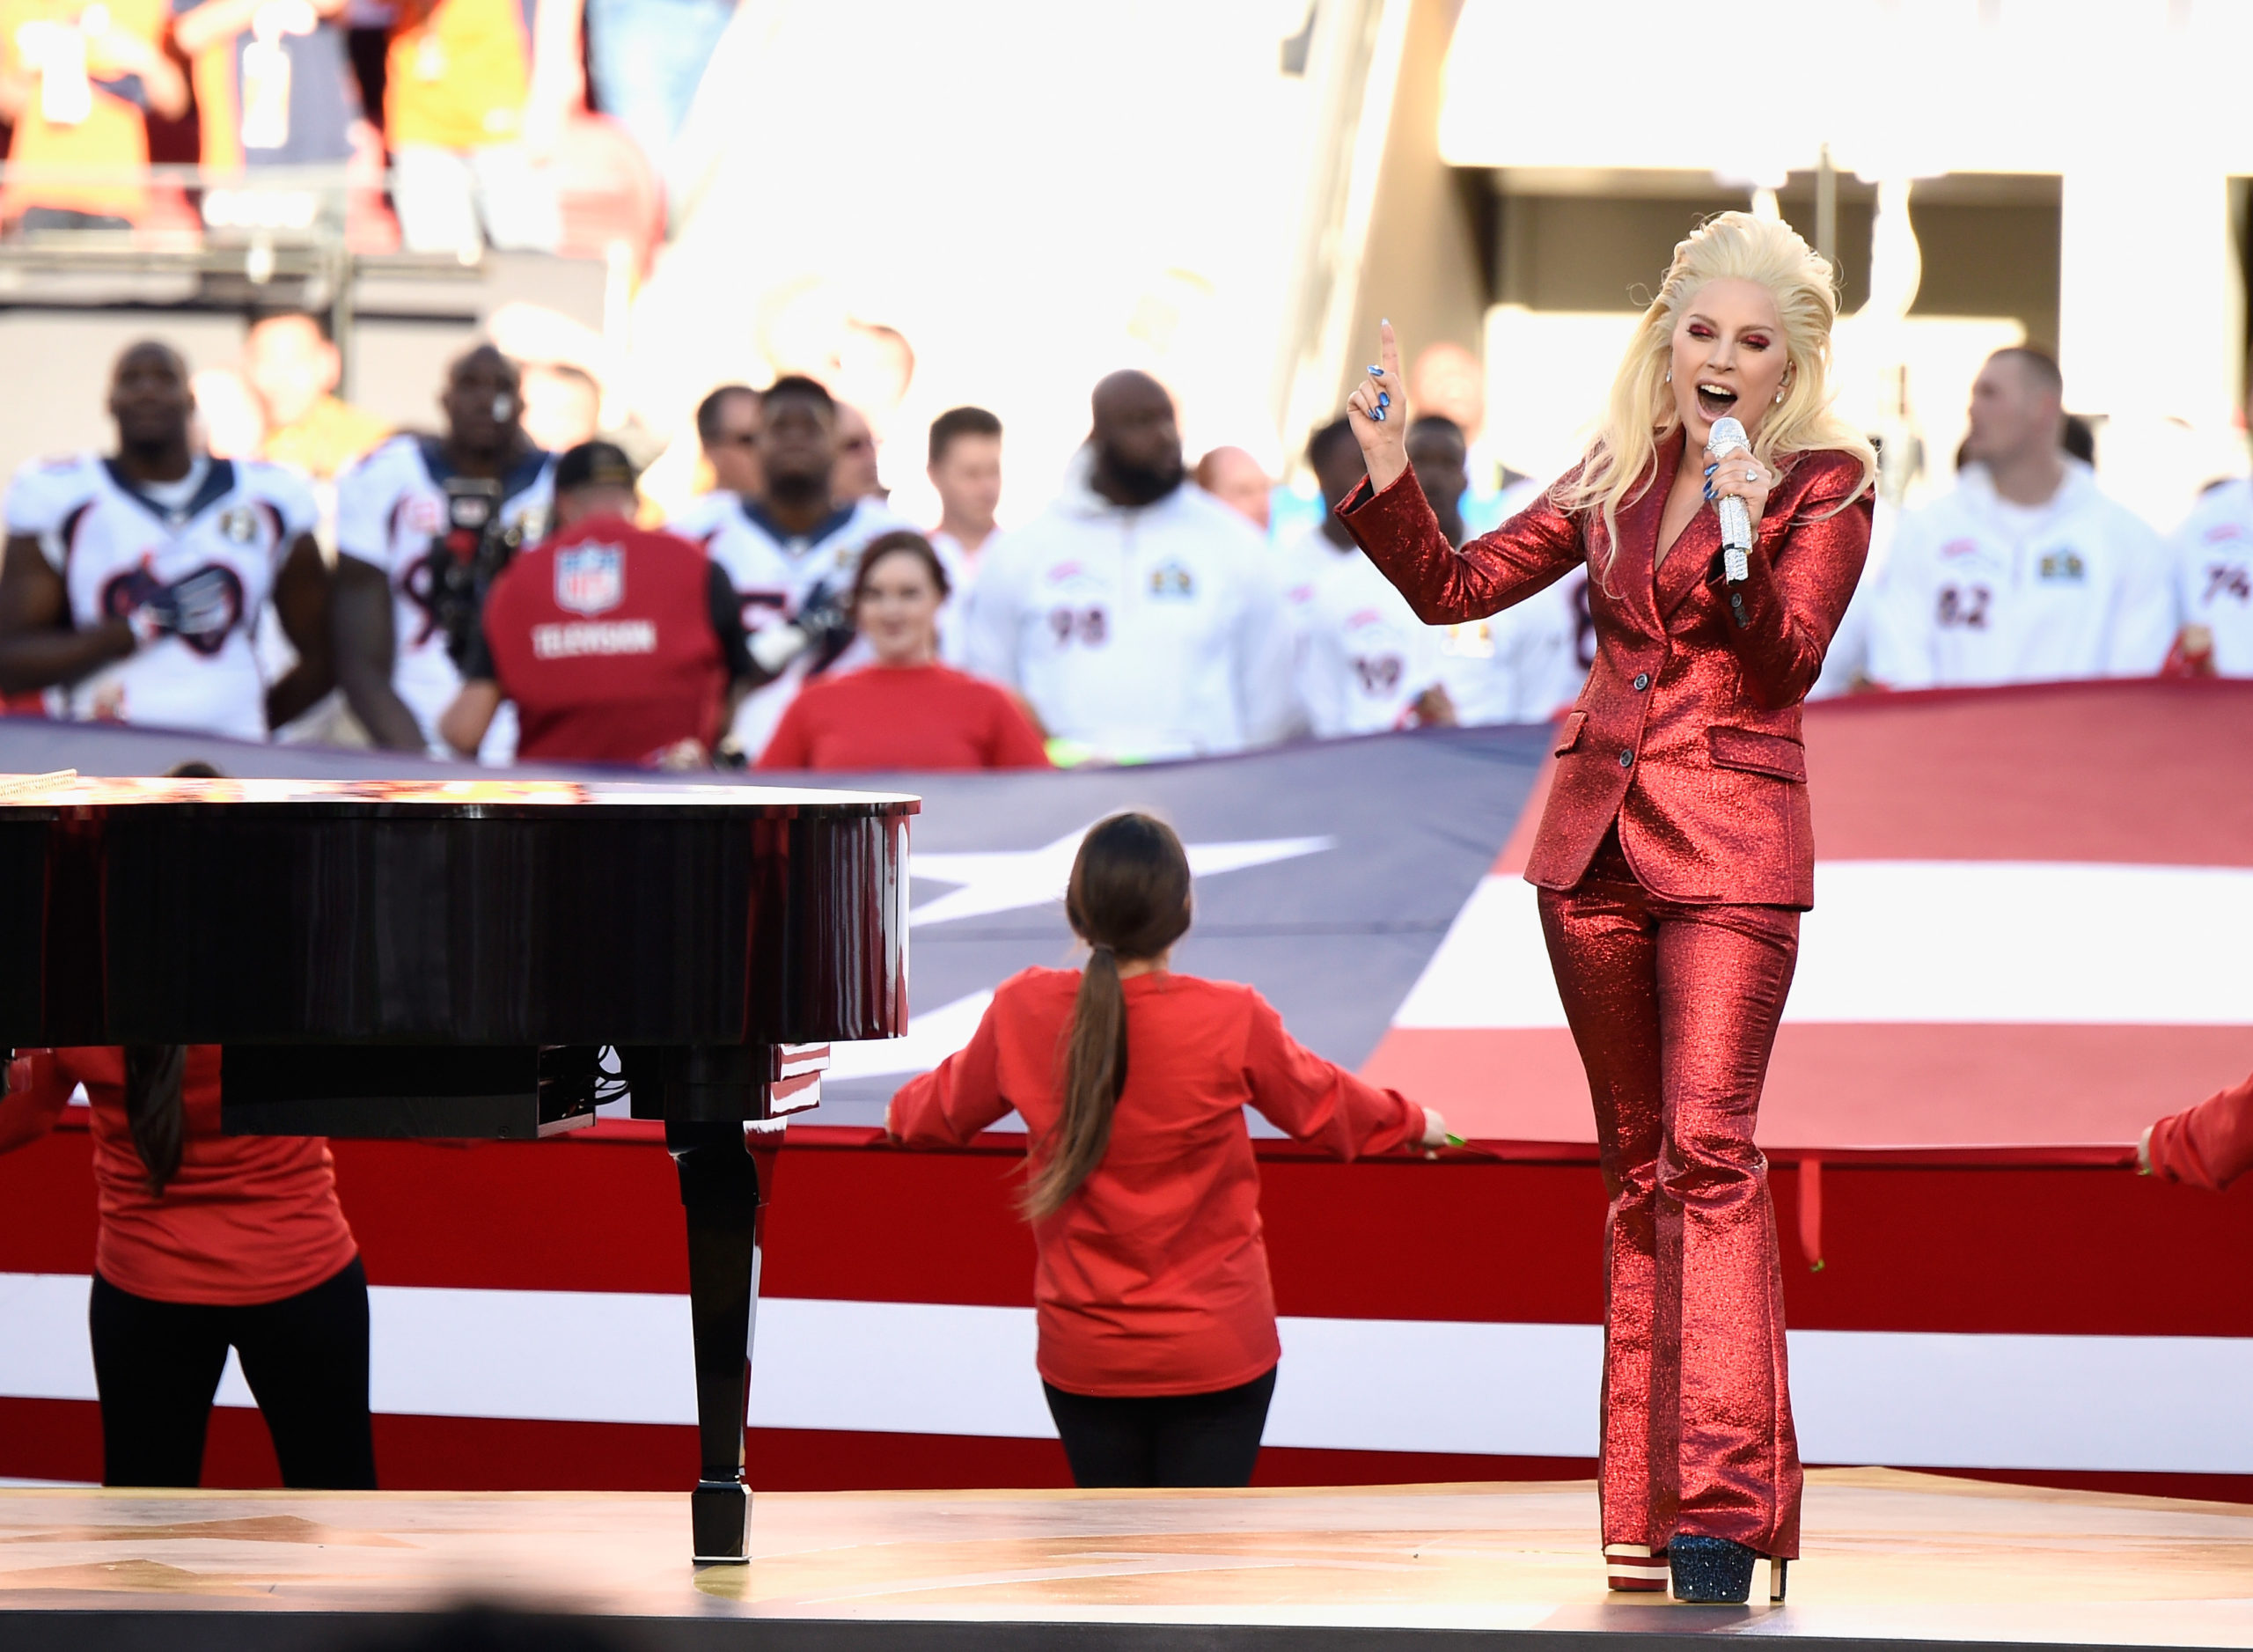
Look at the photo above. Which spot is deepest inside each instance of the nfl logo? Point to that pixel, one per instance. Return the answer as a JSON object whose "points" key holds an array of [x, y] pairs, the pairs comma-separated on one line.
{"points": [[589, 578]]}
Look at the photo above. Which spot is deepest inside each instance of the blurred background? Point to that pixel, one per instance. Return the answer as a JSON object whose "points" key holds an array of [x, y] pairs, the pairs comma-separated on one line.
{"points": [[996, 201]]}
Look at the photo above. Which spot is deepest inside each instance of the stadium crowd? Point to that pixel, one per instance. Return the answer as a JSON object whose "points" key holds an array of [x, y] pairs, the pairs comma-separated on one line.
{"points": [[471, 592], [480, 108]]}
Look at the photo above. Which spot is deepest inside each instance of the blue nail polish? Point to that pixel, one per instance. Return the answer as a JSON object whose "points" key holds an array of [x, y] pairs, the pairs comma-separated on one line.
{"points": [[1382, 399], [1710, 469], [1709, 490], [1380, 416], [1377, 372]]}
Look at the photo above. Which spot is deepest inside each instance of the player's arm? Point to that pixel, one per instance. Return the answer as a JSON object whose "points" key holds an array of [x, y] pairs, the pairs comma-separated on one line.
{"points": [[462, 725], [362, 648], [2145, 620], [38, 647], [301, 603], [1902, 626], [1266, 676], [726, 611]]}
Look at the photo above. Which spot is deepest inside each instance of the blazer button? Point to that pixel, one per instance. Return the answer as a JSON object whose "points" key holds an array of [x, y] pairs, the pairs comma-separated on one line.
{"points": [[1627, 759], [1642, 681]]}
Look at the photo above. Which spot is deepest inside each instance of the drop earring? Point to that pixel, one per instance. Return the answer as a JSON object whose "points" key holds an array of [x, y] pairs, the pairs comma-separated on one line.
{"points": [[1670, 374]]}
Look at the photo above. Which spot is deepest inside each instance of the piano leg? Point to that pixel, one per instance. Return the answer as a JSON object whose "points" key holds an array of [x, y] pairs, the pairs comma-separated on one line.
{"points": [[721, 1190]]}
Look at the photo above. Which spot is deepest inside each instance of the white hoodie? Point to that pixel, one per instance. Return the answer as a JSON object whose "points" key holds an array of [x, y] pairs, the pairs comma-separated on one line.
{"points": [[1979, 590], [1152, 632]]}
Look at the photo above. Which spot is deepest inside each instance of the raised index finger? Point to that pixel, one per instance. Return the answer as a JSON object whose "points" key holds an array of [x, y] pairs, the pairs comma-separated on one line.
{"points": [[1388, 351]]}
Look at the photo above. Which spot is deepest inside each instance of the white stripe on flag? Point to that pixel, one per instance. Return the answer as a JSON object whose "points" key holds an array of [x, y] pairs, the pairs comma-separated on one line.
{"points": [[1912, 1399], [1928, 942]]}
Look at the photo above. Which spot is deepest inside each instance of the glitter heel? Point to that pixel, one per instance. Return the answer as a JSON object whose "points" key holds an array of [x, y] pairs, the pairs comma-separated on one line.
{"points": [[1711, 1569]]}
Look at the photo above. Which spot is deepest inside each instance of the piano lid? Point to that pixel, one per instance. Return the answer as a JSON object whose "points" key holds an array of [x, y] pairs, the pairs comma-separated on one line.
{"points": [[69, 789]]}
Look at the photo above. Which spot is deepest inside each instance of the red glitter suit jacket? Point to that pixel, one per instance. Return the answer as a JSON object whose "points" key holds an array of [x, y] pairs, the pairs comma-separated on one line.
{"points": [[1688, 731]]}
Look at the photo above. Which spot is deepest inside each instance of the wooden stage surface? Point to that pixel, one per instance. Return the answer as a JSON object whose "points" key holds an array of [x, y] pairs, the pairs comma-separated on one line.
{"points": [[1889, 1557]]}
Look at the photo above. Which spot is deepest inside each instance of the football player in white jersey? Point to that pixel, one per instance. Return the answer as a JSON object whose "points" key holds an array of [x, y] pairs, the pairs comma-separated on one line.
{"points": [[131, 586], [1367, 663], [1300, 562], [1138, 615], [2027, 572], [1528, 661], [423, 523], [790, 550], [2211, 558]]}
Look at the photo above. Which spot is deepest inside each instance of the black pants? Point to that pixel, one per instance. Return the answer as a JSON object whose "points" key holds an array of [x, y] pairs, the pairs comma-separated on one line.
{"points": [[1169, 1439], [157, 1365]]}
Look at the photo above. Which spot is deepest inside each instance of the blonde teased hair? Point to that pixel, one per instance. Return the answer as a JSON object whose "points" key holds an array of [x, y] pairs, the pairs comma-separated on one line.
{"points": [[1619, 465]]}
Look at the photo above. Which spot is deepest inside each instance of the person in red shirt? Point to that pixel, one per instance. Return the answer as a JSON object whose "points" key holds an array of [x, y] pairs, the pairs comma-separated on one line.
{"points": [[618, 644], [207, 1241], [906, 710], [1157, 1321], [2208, 1146]]}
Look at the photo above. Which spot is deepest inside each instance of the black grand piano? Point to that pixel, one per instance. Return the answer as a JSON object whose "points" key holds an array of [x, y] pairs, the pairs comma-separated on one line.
{"points": [[482, 958]]}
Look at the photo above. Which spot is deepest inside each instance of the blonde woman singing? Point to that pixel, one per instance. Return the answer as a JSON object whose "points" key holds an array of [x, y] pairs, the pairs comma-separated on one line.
{"points": [[1675, 852]]}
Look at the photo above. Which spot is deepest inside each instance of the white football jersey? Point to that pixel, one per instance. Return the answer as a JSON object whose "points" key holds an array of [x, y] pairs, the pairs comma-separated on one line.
{"points": [[1368, 659], [390, 509], [211, 544], [2211, 558], [1978, 592], [962, 570], [1526, 663], [1153, 632], [777, 576]]}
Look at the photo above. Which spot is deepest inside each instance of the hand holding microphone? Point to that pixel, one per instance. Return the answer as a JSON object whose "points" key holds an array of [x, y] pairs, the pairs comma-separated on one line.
{"points": [[1738, 485]]}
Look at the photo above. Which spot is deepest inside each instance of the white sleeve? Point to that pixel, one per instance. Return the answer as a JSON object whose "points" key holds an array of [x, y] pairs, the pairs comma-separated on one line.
{"points": [[1426, 661], [291, 495], [1900, 619], [2145, 621], [365, 497], [41, 495], [990, 618], [1266, 692]]}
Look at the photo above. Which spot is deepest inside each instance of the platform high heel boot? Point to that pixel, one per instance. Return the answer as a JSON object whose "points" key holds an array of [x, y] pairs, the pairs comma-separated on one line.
{"points": [[1712, 1570]]}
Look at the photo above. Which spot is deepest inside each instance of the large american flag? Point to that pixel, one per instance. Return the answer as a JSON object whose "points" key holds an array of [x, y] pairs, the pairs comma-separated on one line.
{"points": [[2029, 939]]}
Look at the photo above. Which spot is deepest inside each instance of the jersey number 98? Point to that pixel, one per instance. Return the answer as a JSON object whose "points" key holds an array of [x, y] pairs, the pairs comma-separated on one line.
{"points": [[1090, 628], [1964, 606]]}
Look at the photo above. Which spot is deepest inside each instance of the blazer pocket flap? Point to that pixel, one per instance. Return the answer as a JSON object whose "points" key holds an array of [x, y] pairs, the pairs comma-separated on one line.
{"points": [[1777, 754], [1569, 735]]}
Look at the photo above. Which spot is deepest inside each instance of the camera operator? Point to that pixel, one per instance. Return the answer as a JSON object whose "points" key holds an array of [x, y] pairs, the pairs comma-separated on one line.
{"points": [[615, 644], [424, 526]]}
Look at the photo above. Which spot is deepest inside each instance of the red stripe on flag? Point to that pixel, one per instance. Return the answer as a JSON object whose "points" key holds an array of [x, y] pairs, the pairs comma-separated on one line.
{"points": [[2149, 773], [1518, 847], [2040, 1093]]}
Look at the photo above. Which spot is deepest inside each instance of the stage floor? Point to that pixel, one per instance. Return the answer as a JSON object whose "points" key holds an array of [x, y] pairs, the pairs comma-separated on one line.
{"points": [[1889, 1556]]}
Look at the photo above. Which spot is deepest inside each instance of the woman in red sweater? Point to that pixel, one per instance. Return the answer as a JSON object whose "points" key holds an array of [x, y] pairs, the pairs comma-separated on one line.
{"points": [[1157, 1322], [906, 710], [206, 1241]]}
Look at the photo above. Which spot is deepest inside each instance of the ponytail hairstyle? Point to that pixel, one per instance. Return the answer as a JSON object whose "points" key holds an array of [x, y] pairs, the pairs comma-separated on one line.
{"points": [[1129, 898], [156, 1111], [156, 1105]]}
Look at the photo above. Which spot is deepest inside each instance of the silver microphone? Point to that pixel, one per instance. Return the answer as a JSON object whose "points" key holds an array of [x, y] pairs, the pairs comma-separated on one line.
{"points": [[1736, 522]]}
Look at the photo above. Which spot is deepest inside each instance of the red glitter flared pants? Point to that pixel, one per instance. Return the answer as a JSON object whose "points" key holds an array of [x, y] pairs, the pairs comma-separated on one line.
{"points": [[1674, 1008]]}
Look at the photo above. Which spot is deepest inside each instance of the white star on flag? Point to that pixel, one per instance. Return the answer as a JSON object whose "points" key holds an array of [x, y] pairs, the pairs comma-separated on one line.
{"points": [[1009, 880]]}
